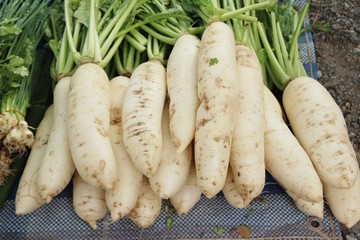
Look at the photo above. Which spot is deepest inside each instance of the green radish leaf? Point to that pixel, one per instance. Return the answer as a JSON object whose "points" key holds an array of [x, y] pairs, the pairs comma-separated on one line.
{"points": [[82, 13], [169, 223], [213, 61], [55, 47], [218, 230], [249, 213]]}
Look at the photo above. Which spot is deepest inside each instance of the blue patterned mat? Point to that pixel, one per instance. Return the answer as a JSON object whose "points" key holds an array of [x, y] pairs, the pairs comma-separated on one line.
{"points": [[277, 218]]}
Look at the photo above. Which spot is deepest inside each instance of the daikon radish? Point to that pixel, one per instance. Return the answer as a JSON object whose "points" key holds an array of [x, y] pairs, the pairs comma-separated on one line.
{"points": [[88, 201], [247, 149], [174, 168], [141, 116], [28, 198], [88, 126], [231, 192], [189, 195], [344, 203], [320, 127], [57, 167], [315, 118], [147, 207], [285, 158], [181, 72], [216, 115], [315, 209], [123, 196]]}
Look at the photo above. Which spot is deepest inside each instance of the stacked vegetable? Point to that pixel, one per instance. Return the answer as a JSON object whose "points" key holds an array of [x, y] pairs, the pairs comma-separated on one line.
{"points": [[158, 100], [21, 29]]}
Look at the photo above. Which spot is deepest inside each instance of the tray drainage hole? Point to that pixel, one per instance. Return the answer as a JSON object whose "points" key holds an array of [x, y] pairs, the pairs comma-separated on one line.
{"points": [[314, 224]]}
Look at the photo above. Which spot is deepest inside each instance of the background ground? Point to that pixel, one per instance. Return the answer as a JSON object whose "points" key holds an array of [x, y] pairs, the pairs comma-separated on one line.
{"points": [[336, 33]]}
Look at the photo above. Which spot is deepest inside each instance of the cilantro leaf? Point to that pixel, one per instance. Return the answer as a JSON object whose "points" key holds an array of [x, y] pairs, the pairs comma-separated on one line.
{"points": [[213, 61], [218, 230]]}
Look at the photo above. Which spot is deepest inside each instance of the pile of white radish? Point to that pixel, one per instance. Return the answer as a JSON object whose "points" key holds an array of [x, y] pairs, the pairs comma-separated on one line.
{"points": [[202, 124]]}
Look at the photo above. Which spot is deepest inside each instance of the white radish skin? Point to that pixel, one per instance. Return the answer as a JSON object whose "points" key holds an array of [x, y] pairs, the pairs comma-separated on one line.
{"points": [[285, 158], [320, 127], [181, 81], [88, 201], [315, 209], [247, 149], [216, 115], [28, 198], [174, 168], [88, 126], [190, 194], [141, 115], [147, 207], [344, 203], [57, 167], [231, 192], [123, 196]]}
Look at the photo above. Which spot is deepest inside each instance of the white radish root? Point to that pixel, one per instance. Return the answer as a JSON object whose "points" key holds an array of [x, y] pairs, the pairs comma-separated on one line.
{"points": [[247, 149], [147, 207], [315, 209], [88, 201], [28, 198], [141, 115], [174, 168], [344, 203], [216, 115], [57, 167], [121, 199], [320, 127], [285, 159], [88, 126], [231, 192], [189, 195], [181, 81]]}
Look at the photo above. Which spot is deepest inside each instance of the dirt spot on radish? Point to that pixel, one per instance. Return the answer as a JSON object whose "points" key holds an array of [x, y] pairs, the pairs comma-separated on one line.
{"points": [[138, 92], [115, 116], [224, 139], [244, 58]]}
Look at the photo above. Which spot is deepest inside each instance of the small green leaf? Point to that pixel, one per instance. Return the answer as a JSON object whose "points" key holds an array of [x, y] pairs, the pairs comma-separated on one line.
{"points": [[9, 30], [55, 47], [169, 208], [169, 223], [218, 230], [14, 84], [82, 13], [213, 61], [16, 66], [249, 213]]}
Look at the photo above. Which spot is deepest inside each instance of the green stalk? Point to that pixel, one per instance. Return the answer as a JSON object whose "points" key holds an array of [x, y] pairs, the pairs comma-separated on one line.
{"points": [[282, 76], [292, 67], [135, 43], [68, 27], [288, 66], [240, 11], [275, 41], [154, 33], [106, 45], [294, 40], [139, 37], [118, 64]]}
